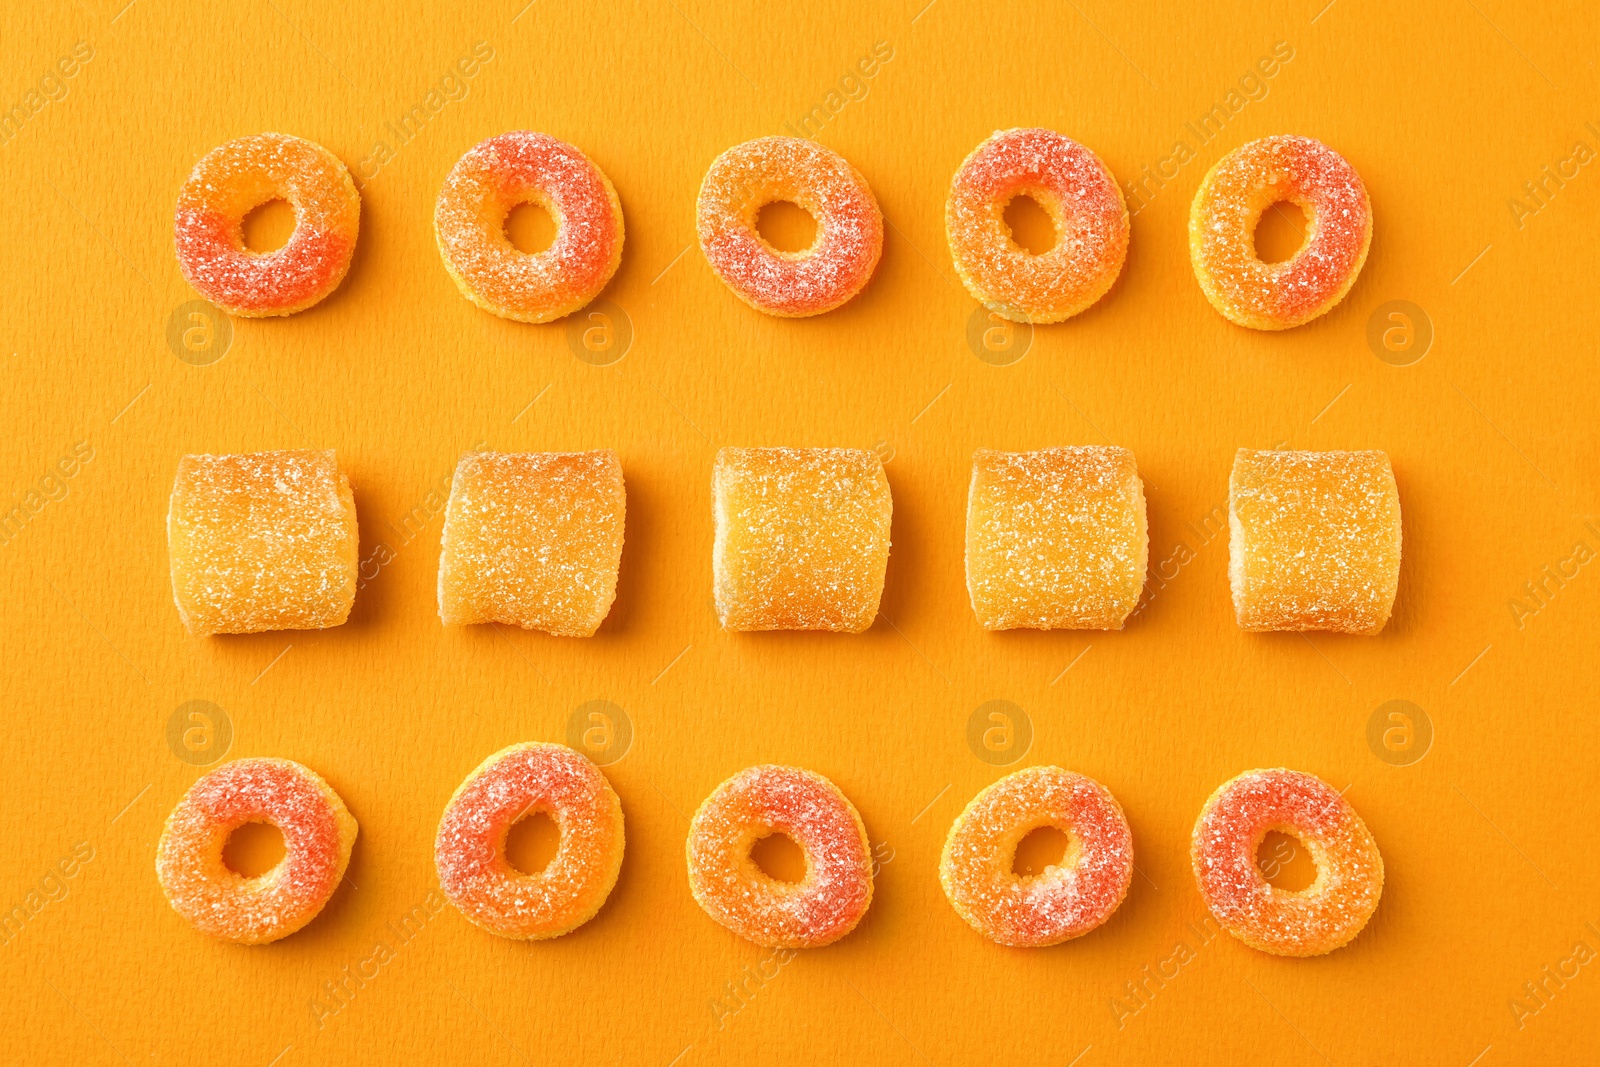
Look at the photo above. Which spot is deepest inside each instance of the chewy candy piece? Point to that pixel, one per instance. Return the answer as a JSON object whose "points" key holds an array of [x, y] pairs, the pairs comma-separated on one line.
{"points": [[802, 538], [810, 810], [1325, 915], [470, 855], [318, 833], [849, 241], [1068, 898], [533, 539], [1315, 540], [1056, 539], [262, 541], [230, 181]]}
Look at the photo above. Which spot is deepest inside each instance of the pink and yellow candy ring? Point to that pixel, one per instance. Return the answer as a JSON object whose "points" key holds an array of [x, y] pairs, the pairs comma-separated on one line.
{"points": [[235, 178], [469, 850], [849, 241], [522, 168], [1066, 900], [1320, 918], [1080, 195], [1222, 227], [758, 801], [318, 833]]}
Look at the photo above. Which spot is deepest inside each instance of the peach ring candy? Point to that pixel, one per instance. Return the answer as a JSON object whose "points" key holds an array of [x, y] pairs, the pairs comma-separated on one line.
{"points": [[1066, 900], [849, 240], [533, 539], [1315, 540], [1311, 921], [232, 180], [760, 801], [1222, 228], [470, 852], [1080, 195], [802, 538], [262, 541], [528, 168], [317, 835], [1056, 539]]}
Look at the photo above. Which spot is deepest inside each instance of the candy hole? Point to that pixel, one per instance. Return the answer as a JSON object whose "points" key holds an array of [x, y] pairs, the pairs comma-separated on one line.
{"points": [[1280, 232], [530, 228], [1031, 226], [253, 849], [786, 226], [1285, 862], [1041, 848], [779, 858], [532, 842], [268, 226]]}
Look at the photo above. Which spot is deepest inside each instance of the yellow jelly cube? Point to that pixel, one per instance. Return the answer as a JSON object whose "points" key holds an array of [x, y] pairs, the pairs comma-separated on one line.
{"points": [[1315, 540], [1056, 539], [533, 539], [262, 541], [802, 538]]}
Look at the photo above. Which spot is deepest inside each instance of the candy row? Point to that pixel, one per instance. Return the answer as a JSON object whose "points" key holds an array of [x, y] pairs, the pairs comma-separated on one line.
{"points": [[1068, 181], [1056, 539], [1068, 899]]}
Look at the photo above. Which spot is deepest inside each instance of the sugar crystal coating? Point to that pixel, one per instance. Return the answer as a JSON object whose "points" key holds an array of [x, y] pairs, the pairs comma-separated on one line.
{"points": [[515, 168], [1315, 540], [262, 541], [519, 781], [1222, 229], [1318, 919], [747, 177], [1056, 539], [808, 808], [235, 178], [802, 538], [533, 539], [318, 833], [1067, 899], [1077, 190]]}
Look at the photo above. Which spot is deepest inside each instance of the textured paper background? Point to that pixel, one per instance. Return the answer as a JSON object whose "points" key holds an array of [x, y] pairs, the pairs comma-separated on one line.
{"points": [[1445, 108]]}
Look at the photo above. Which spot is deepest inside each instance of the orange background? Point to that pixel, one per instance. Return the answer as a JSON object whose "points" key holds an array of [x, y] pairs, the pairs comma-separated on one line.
{"points": [[1445, 109]]}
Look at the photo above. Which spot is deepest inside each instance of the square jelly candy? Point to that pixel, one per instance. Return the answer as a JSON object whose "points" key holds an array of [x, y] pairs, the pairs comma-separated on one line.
{"points": [[533, 539], [802, 538], [1056, 539], [1315, 540], [262, 541]]}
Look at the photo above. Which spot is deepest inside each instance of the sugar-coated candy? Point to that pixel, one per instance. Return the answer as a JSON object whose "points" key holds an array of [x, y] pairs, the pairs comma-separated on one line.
{"points": [[1081, 197], [840, 262], [1315, 541], [1065, 900], [516, 168], [318, 833], [233, 179], [1222, 232], [809, 809], [1308, 922], [1056, 539], [533, 539], [262, 541], [516, 782], [802, 538]]}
